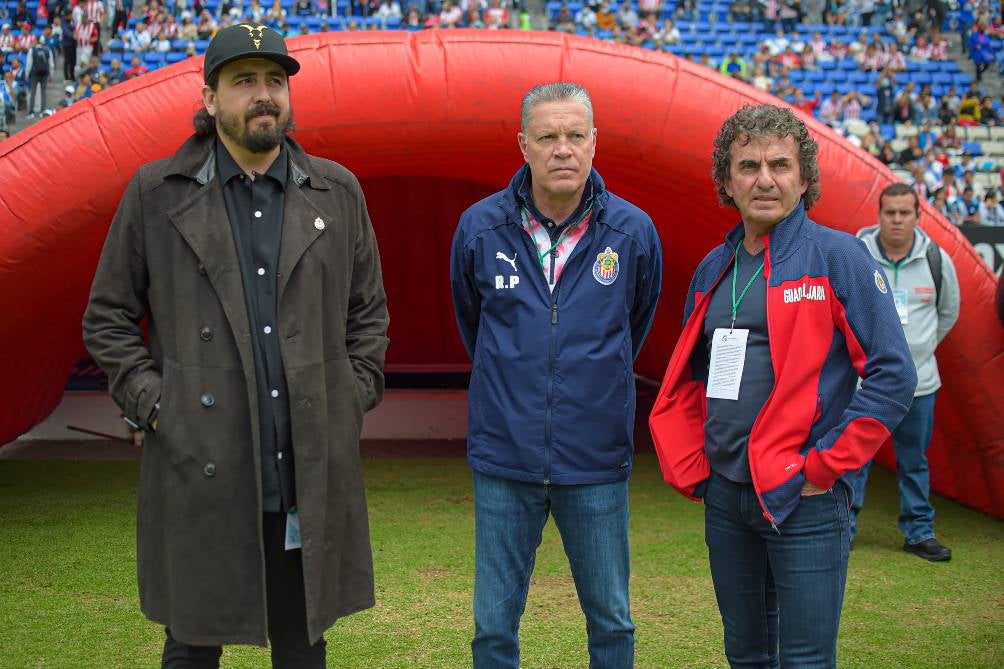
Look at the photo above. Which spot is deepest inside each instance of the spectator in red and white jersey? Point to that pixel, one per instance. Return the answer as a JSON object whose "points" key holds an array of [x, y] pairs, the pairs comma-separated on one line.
{"points": [[922, 50], [8, 41], [86, 36], [872, 60], [95, 11], [496, 16], [894, 59], [854, 103], [25, 40], [832, 110], [818, 46]]}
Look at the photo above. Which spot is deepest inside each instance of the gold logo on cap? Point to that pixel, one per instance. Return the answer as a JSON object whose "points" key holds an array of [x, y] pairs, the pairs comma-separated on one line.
{"points": [[251, 31]]}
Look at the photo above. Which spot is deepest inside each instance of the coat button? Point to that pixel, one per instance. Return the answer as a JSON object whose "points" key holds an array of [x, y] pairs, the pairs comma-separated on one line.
{"points": [[209, 470], [207, 400], [205, 334]]}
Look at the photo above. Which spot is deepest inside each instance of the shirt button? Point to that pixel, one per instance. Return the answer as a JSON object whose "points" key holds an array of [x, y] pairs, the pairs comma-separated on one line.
{"points": [[279, 456], [206, 334], [275, 393], [257, 214], [267, 329], [261, 271], [550, 224], [209, 470], [207, 400]]}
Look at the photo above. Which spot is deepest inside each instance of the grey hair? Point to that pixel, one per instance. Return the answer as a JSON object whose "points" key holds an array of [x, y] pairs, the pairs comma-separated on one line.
{"points": [[556, 92], [765, 121]]}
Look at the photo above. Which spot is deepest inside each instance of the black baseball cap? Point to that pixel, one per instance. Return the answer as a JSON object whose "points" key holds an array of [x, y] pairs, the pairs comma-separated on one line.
{"points": [[247, 41]]}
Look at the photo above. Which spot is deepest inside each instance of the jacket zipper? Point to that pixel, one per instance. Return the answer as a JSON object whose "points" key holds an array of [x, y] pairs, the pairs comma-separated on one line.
{"points": [[749, 453], [550, 387]]}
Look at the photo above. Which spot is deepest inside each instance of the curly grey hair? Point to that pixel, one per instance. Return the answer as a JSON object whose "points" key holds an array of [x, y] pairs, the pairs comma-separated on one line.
{"points": [[765, 121]]}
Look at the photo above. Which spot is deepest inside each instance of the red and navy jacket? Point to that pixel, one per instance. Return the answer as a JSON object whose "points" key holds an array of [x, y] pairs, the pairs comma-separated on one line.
{"points": [[831, 320]]}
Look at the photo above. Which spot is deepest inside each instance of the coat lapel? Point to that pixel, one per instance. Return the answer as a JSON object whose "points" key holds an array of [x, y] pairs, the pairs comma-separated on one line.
{"points": [[203, 224], [302, 224]]}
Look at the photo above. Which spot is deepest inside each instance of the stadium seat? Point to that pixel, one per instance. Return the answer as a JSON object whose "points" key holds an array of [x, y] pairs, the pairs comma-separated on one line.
{"points": [[962, 80], [974, 148], [976, 133], [174, 57]]}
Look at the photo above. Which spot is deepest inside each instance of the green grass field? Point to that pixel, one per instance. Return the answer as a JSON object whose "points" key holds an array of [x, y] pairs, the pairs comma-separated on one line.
{"points": [[68, 594]]}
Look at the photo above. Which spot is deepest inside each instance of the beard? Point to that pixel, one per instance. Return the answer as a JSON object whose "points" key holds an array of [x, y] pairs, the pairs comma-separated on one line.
{"points": [[262, 139]]}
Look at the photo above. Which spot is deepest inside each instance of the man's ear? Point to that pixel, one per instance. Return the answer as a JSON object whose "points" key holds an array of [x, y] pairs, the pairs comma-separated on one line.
{"points": [[209, 100]]}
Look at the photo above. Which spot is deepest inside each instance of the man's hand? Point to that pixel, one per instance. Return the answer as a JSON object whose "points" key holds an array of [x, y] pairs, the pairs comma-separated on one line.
{"points": [[808, 490]]}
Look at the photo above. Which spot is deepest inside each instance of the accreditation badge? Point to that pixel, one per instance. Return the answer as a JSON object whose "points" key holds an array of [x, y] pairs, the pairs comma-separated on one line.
{"points": [[607, 267], [901, 298]]}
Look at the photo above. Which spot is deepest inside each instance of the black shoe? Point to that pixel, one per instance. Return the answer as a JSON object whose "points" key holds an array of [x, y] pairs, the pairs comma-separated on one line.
{"points": [[929, 549]]}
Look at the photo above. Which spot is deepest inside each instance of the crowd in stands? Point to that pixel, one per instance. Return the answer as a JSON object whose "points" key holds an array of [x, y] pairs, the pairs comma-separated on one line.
{"points": [[860, 68], [883, 74], [104, 42]]}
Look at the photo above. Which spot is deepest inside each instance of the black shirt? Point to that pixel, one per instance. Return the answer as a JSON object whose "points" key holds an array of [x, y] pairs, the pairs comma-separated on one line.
{"points": [[254, 207], [727, 429]]}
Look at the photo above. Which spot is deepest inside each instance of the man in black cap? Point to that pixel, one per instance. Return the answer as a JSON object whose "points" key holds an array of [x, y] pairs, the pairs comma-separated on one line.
{"points": [[256, 268]]}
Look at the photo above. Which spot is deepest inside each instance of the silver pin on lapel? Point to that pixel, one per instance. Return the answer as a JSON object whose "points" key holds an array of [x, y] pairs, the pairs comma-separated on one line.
{"points": [[318, 223]]}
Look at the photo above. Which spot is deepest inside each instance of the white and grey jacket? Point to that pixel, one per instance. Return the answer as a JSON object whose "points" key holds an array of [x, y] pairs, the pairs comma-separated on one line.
{"points": [[929, 316]]}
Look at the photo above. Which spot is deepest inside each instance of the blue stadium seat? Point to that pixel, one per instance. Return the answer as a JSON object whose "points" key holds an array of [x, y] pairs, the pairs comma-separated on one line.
{"points": [[847, 64], [973, 147], [174, 57], [962, 80]]}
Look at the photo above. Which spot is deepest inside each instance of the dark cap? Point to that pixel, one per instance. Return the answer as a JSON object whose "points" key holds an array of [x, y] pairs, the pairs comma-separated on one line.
{"points": [[247, 41]]}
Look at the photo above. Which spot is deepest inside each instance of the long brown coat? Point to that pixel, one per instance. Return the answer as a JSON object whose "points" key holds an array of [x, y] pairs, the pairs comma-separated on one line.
{"points": [[170, 255]]}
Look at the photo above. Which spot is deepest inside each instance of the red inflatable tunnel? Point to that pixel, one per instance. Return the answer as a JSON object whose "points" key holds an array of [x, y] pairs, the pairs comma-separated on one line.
{"points": [[428, 122]]}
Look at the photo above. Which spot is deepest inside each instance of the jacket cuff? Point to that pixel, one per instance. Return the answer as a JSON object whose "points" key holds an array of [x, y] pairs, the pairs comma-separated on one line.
{"points": [[817, 472]]}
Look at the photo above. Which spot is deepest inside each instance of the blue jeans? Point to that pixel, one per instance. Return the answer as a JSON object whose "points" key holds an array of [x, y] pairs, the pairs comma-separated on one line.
{"points": [[593, 522], [780, 592], [910, 441]]}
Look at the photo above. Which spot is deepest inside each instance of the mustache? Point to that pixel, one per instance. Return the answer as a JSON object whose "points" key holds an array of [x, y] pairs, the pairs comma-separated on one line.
{"points": [[262, 109]]}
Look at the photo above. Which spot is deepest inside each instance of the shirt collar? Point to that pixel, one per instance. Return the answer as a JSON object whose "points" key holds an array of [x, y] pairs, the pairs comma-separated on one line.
{"points": [[885, 256], [228, 169], [526, 199]]}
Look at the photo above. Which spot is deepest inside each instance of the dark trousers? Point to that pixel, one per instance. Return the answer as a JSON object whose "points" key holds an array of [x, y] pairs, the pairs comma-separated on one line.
{"points": [[69, 61], [287, 612]]}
